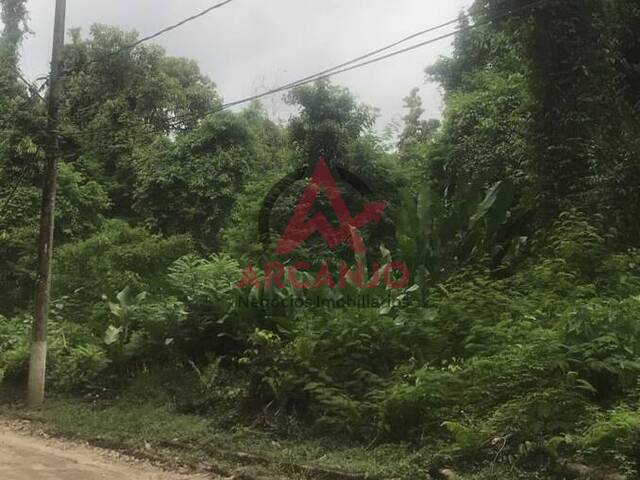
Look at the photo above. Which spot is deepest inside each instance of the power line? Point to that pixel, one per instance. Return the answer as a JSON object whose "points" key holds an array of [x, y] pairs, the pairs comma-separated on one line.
{"points": [[348, 66], [289, 85], [179, 24], [319, 75], [362, 57], [157, 34], [35, 90], [344, 67], [380, 50], [221, 4], [23, 174], [336, 70], [32, 87], [137, 43], [204, 12]]}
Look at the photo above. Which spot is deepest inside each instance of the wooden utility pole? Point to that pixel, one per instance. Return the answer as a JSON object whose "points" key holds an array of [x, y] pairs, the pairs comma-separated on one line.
{"points": [[38, 360]]}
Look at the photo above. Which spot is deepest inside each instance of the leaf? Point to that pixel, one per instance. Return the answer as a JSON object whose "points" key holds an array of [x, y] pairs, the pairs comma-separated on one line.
{"points": [[141, 297], [124, 296], [112, 335], [584, 385], [498, 212], [500, 196], [116, 309]]}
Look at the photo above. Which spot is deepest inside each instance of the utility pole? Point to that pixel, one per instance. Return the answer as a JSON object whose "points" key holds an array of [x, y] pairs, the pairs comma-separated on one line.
{"points": [[38, 360]]}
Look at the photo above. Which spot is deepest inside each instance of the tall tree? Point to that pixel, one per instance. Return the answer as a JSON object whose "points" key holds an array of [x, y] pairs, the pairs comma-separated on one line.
{"points": [[14, 18], [566, 61], [117, 99], [330, 120], [416, 129]]}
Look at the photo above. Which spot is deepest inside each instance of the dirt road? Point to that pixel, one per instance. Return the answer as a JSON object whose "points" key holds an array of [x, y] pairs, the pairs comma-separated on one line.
{"points": [[24, 457]]}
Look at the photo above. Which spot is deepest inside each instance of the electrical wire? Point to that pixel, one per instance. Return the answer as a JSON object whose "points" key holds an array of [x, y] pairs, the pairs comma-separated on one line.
{"points": [[336, 70], [157, 34], [347, 66], [35, 90], [32, 87], [5, 205], [362, 57]]}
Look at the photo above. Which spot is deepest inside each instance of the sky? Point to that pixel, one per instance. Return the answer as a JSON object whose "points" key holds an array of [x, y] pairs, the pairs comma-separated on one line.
{"points": [[250, 46]]}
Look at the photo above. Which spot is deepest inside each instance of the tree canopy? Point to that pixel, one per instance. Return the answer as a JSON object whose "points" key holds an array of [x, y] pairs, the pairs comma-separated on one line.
{"points": [[511, 351]]}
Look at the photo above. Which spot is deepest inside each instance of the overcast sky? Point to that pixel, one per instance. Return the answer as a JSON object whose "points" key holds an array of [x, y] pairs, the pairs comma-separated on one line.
{"points": [[250, 46]]}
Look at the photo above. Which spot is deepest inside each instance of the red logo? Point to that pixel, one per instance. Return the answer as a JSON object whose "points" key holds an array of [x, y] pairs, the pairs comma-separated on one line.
{"points": [[301, 227], [304, 223]]}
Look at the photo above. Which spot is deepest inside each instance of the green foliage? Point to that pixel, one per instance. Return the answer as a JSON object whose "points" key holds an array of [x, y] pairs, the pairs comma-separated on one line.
{"points": [[613, 435], [433, 240], [484, 135], [76, 360], [81, 204], [213, 280], [14, 19], [115, 257], [114, 104], [119, 335], [518, 344], [603, 343], [190, 185], [208, 289], [329, 120], [416, 131], [241, 238], [14, 347], [82, 366]]}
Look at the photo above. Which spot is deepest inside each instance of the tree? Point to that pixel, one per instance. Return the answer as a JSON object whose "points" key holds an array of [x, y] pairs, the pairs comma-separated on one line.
{"points": [[567, 62], [416, 131], [191, 184], [416, 128], [21, 135], [330, 119], [330, 122], [115, 102], [14, 19], [543, 95]]}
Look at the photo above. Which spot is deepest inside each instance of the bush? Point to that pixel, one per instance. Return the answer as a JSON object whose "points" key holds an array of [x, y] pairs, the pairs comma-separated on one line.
{"points": [[79, 368], [14, 348], [613, 437], [76, 361], [117, 256]]}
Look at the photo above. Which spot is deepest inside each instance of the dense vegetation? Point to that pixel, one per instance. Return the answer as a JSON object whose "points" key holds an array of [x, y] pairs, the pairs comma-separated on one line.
{"points": [[518, 215]]}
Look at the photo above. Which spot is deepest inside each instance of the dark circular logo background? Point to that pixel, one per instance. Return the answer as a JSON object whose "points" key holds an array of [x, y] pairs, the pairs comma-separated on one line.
{"points": [[264, 219]]}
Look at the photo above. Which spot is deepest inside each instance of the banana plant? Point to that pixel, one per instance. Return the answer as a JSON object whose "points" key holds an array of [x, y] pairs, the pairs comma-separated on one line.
{"points": [[432, 237], [122, 314]]}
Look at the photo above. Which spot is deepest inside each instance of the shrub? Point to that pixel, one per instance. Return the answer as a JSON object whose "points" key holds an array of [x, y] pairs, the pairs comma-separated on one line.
{"points": [[117, 256], [14, 347], [76, 361], [613, 437], [79, 368]]}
